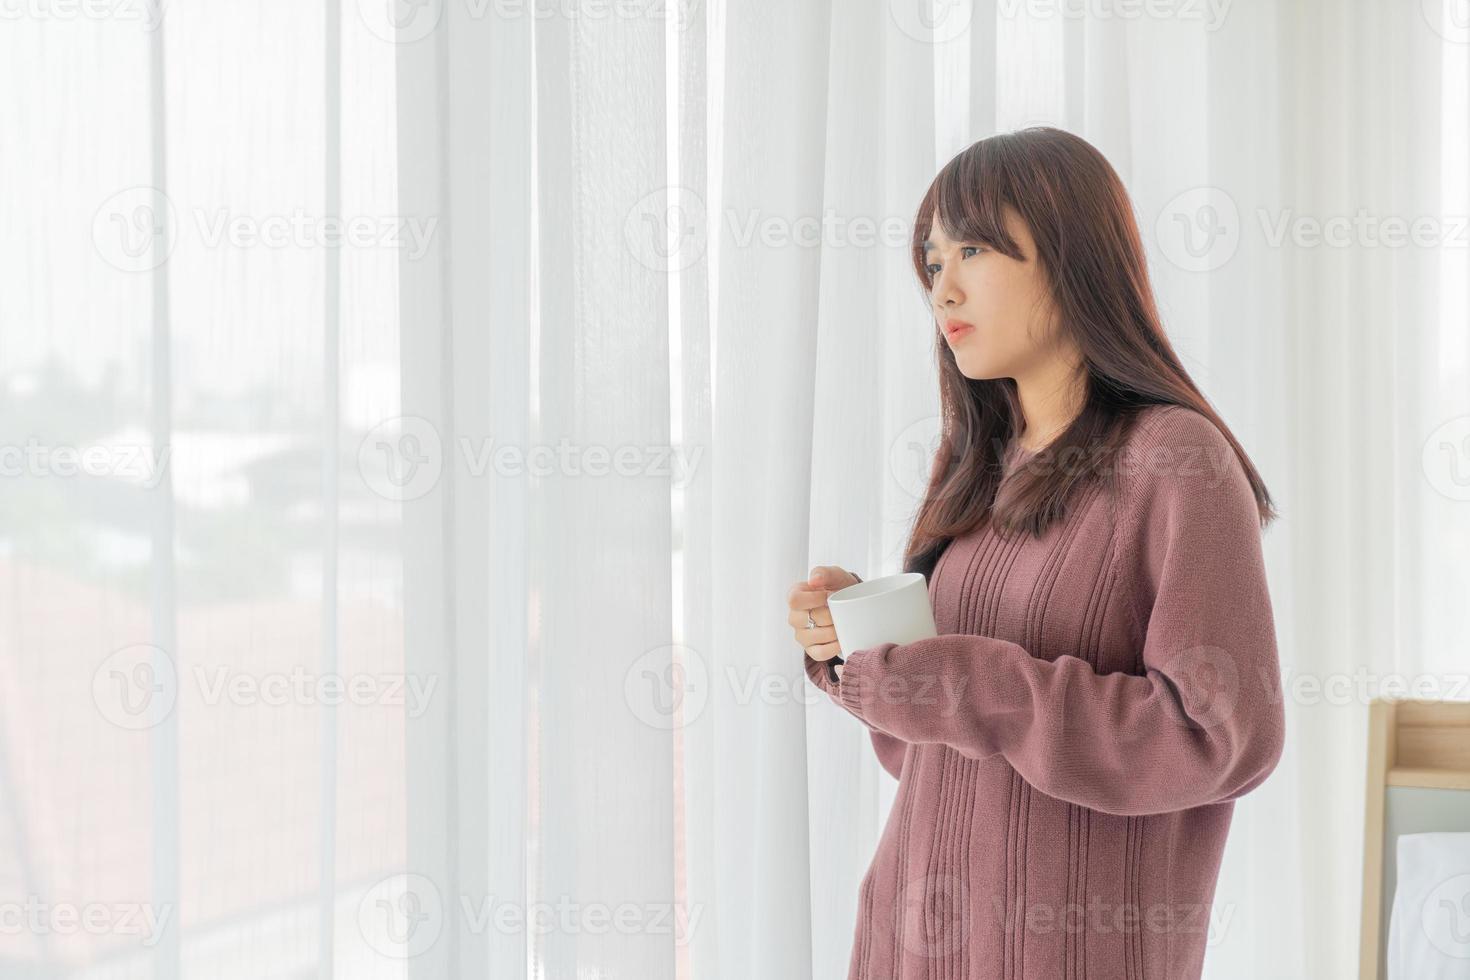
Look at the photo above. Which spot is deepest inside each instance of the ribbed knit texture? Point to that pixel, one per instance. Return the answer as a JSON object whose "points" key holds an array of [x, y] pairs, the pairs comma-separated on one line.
{"points": [[1068, 750]]}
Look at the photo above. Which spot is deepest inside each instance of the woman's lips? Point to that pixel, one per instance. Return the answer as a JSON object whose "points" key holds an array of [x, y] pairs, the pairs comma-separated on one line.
{"points": [[955, 329]]}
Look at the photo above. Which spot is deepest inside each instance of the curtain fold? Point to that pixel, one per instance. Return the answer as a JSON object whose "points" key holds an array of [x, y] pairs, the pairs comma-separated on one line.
{"points": [[602, 569], [744, 765]]}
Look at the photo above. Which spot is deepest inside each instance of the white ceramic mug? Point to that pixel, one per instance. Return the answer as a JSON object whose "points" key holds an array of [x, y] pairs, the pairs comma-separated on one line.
{"points": [[890, 609]]}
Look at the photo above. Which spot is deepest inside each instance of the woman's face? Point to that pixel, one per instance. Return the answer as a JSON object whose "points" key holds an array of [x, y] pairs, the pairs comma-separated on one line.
{"points": [[1006, 303]]}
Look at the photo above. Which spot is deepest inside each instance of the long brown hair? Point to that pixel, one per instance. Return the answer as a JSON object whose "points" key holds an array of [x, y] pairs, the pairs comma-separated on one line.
{"points": [[1088, 243]]}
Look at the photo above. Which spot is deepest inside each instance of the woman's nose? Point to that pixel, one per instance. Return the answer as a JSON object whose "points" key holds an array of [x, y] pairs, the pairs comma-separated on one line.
{"points": [[944, 293]]}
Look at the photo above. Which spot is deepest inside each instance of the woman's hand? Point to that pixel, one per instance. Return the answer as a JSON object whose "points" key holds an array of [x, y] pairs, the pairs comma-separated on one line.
{"points": [[810, 597]]}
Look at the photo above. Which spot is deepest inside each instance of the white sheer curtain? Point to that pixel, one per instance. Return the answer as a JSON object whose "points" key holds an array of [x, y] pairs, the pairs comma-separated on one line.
{"points": [[458, 387]]}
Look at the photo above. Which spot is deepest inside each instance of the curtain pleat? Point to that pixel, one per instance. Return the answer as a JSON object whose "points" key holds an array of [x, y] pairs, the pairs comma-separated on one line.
{"points": [[602, 572]]}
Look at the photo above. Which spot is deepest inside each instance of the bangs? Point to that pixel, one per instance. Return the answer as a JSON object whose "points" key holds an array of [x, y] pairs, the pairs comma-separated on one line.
{"points": [[969, 195]]}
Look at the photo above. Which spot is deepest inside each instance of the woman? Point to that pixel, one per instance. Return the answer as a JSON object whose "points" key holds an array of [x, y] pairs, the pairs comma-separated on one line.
{"points": [[1105, 683]]}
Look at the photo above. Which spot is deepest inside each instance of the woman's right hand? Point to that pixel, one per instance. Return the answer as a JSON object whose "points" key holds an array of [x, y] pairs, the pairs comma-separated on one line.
{"points": [[810, 597]]}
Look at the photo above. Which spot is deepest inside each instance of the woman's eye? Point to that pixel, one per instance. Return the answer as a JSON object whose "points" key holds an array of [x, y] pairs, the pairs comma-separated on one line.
{"points": [[933, 269], [971, 248]]}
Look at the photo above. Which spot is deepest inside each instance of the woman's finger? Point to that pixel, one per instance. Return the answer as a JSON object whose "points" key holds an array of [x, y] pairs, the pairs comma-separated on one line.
{"points": [[797, 588], [821, 615], [814, 637], [809, 599], [824, 651]]}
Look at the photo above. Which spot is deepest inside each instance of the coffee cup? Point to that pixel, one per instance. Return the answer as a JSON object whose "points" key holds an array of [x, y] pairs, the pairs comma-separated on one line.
{"points": [[888, 609]]}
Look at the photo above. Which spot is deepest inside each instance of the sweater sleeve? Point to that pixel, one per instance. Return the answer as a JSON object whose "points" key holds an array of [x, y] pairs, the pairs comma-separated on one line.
{"points": [[1202, 720], [889, 748]]}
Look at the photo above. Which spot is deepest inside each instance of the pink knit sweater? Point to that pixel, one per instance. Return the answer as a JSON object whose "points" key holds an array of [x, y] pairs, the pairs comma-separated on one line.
{"points": [[1068, 750]]}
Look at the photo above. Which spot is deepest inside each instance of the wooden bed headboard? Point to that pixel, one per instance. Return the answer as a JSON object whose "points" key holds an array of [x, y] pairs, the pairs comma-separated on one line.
{"points": [[1418, 781]]}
